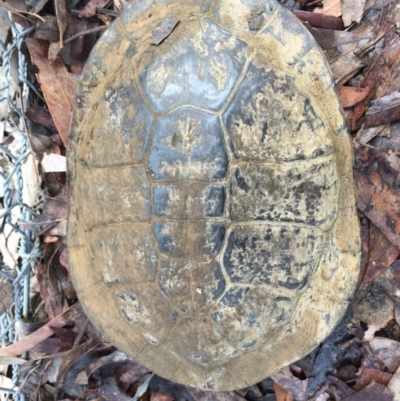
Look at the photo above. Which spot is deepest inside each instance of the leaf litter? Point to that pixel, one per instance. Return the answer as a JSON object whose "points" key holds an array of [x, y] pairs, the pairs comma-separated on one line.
{"points": [[66, 358]]}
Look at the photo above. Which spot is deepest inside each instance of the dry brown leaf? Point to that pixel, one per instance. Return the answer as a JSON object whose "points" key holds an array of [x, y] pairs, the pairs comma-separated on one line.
{"points": [[383, 110], [380, 203], [352, 11], [394, 386], [50, 239], [281, 394], [30, 341], [364, 135], [4, 30], [54, 163], [11, 360], [350, 95], [157, 396], [73, 355], [91, 7], [330, 7], [347, 63], [382, 253], [372, 392], [285, 379], [388, 351], [58, 86], [330, 38], [368, 375], [215, 396], [377, 79], [62, 18], [373, 328], [320, 20], [39, 115]]}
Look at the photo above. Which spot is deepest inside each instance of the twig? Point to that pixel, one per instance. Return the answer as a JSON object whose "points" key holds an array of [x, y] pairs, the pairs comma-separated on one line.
{"points": [[87, 32]]}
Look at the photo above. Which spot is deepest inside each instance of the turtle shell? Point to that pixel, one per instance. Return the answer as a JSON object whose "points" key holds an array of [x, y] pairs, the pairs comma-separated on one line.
{"points": [[212, 234]]}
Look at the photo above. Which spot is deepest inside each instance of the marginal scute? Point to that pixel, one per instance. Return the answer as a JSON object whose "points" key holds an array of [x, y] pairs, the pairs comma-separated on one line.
{"points": [[126, 129], [200, 342], [314, 75], [119, 194], [294, 41], [98, 66], [280, 256], [199, 69], [188, 144], [270, 119], [337, 273], [302, 193], [238, 22], [245, 322], [133, 258], [145, 309], [317, 312]]}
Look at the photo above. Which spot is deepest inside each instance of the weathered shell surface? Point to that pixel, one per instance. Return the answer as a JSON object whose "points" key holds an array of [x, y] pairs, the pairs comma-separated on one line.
{"points": [[212, 234]]}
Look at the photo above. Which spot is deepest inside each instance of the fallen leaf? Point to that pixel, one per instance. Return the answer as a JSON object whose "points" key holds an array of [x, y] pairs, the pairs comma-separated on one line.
{"points": [[72, 356], [6, 383], [285, 379], [62, 18], [11, 360], [383, 110], [54, 50], [58, 87], [329, 38], [60, 229], [380, 203], [382, 253], [116, 357], [82, 379], [49, 287], [281, 394], [28, 342], [110, 392], [350, 95], [157, 396], [320, 20], [352, 11], [368, 375], [50, 239], [330, 7], [383, 31], [388, 351], [346, 63], [364, 135], [394, 386], [8, 77], [372, 392], [54, 163], [54, 211], [376, 79], [175, 390], [215, 396], [374, 327], [4, 30], [40, 115], [91, 8]]}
